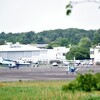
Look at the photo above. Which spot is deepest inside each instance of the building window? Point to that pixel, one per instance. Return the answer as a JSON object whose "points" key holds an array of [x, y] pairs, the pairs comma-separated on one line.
{"points": [[91, 52], [64, 54]]}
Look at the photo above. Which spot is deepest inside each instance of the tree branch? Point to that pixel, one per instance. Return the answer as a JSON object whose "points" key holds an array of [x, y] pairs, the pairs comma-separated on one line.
{"points": [[73, 3]]}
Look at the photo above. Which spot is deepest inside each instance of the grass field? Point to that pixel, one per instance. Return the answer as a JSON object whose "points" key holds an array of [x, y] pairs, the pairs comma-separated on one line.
{"points": [[42, 90]]}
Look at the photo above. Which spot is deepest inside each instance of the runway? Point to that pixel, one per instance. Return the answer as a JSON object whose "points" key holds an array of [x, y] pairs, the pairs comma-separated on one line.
{"points": [[41, 73]]}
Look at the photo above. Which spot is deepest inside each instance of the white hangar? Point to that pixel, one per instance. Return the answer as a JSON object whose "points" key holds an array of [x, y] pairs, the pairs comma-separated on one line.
{"points": [[18, 51], [32, 53]]}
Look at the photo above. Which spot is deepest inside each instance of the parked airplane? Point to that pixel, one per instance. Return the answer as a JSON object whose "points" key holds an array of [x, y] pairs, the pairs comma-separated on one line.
{"points": [[12, 64], [71, 69], [32, 61]]}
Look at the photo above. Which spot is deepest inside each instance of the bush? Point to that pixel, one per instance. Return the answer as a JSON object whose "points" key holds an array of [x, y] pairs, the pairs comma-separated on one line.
{"points": [[97, 76], [65, 88], [86, 82], [98, 86], [71, 86]]}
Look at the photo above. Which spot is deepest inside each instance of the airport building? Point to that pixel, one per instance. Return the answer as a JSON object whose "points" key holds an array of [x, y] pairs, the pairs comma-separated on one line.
{"points": [[19, 51], [95, 54], [57, 53]]}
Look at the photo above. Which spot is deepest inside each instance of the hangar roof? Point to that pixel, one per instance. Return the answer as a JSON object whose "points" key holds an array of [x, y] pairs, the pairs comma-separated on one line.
{"points": [[17, 47]]}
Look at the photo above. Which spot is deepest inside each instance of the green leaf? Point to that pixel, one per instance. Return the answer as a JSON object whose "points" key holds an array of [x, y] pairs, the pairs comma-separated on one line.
{"points": [[68, 12]]}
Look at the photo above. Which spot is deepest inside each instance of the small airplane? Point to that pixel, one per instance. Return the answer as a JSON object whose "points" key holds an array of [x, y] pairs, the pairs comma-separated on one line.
{"points": [[12, 64], [71, 69], [32, 62]]}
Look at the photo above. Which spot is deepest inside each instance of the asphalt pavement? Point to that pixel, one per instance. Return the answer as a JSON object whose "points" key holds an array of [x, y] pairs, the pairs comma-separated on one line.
{"points": [[41, 73]]}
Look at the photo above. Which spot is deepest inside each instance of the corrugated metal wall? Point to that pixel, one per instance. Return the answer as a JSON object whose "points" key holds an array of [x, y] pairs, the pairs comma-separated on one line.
{"points": [[16, 55]]}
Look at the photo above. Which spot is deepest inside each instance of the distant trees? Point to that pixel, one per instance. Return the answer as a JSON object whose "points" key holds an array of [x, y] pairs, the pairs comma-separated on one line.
{"points": [[40, 40], [96, 38], [27, 37], [2, 38], [85, 43], [63, 41], [56, 37], [2, 41]]}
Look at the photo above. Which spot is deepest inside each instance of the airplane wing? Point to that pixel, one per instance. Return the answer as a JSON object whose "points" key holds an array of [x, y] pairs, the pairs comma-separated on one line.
{"points": [[13, 64]]}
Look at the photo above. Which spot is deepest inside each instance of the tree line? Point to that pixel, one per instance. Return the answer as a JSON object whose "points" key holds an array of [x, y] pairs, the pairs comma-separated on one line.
{"points": [[61, 37], [79, 40]]}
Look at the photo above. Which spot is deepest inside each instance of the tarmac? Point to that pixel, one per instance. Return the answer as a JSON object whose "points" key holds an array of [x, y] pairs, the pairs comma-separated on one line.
{"points": [[41, 73]]}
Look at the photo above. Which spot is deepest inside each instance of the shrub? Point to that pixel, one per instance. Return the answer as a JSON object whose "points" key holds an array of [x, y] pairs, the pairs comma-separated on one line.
{"points": [[97, 76], [86, 82], [71, 86], [98, 86]]}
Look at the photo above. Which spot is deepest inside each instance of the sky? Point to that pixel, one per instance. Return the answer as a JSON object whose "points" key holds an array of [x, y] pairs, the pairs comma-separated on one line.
{"points": [[41, 15]]}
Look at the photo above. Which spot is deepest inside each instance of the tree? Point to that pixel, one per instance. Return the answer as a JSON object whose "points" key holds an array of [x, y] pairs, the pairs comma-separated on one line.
{"points": [[2, 35], [2, 41], [28, 37], [71, 4], [63, 41], [96, 38], [40, 40], [85, 42], [79, 53]]}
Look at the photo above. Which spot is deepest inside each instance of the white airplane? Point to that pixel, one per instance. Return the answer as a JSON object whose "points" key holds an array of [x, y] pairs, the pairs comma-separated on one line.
{"points": [[32, 61], [12, 64]]}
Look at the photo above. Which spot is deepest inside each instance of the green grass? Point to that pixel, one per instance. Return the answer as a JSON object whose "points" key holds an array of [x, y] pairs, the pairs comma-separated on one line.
{"points": [[42, 90]]}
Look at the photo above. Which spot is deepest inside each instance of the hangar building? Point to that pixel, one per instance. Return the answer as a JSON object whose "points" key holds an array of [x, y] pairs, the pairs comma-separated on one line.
{"points": [[19, 51]]}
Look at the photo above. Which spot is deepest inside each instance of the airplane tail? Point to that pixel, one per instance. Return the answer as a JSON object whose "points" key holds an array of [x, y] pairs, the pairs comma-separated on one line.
{"points": [[1, 59]]}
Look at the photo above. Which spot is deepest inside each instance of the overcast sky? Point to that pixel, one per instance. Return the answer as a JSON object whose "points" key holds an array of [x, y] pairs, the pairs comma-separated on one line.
{"points": [[40, 15]]}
